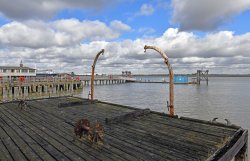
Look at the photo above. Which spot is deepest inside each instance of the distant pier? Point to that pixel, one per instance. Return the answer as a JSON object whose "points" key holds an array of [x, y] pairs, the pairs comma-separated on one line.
{"points": [[104, 80], [10, 89]]}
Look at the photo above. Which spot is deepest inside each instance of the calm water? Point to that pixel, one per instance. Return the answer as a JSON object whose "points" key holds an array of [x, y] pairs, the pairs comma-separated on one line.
{"points": [[227, 97]]}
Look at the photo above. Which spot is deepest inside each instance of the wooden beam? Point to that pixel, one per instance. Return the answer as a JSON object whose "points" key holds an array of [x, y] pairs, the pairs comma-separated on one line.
{"points": [[231, 149], [69, 104], [127, 116]]}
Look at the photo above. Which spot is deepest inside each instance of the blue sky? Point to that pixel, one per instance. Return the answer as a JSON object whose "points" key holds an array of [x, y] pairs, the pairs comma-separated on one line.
{"points": [[159, 20], [65, 35]]}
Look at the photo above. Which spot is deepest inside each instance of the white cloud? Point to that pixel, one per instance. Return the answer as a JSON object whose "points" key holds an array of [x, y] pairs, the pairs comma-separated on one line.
{"points": [[146, 30], [119, 26], [38, 34], [33, 9], [146, 10], [219, 52], [88, 30], [206, 15]]}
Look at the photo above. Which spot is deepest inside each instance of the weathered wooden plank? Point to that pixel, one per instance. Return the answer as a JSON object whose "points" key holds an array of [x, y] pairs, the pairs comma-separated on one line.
{"points": [[136, 143], [65, 112], [68, 143], [97, 110], [56, 149], [223, 129], [127, 116], [70, 104], [104, 107], [32, 143], [179, 137], [154, 137], [4, 153], [167, 145], [208, 124], [232, 147], [88, 148], [51, 150], [13, 149], [155, 151], [214, 124], [53, 139], [201, 128], [136, 152], [69, 135], [171, 131], [183, 134], [22, 145]]}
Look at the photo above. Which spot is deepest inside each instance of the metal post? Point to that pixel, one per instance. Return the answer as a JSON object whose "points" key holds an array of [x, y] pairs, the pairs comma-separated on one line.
{"points": [[93, 74], [171, 77]]}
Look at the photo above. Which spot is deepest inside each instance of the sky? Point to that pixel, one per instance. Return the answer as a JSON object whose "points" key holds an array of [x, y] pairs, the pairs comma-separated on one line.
{"points": [[65, 35]]}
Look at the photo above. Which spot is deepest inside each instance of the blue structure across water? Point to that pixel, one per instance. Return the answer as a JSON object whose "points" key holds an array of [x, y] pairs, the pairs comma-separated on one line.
{"points": [[180, 79]]}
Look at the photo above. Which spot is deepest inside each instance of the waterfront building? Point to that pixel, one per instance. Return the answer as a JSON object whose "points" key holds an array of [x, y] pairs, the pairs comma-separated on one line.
{"points": [[17, 71], [126, 74]]}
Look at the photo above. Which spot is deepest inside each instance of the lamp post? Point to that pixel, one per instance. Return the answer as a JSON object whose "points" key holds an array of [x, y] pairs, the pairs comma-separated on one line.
{"points": [[171, 77], [93, 74]]}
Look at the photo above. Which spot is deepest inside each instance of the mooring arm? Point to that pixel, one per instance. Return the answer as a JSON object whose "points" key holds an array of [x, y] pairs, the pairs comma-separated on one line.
{"points": [[97, 56], [93, 74], [171, 77]]}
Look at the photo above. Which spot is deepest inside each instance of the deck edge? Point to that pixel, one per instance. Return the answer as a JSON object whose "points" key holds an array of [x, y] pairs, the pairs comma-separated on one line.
{"points": [[232, 147]]}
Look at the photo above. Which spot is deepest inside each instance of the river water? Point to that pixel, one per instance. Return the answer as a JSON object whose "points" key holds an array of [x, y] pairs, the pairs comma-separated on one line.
{"points": [[223, 97]]}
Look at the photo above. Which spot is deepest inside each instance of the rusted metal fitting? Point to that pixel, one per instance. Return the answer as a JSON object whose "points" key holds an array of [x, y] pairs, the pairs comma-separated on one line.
{"points": [[96, 133], [82, 127]]}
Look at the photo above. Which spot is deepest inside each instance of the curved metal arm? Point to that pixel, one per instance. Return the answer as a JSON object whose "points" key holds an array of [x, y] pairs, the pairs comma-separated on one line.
{"points": [[171, 77], [93, 74]]}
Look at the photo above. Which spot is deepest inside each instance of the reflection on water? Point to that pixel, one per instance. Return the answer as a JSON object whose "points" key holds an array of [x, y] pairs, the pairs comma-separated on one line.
{"points": [[222, 98]]}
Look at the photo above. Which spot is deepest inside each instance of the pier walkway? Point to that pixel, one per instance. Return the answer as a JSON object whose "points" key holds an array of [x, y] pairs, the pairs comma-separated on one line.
{"points": [[19, 89], [105, 79], [45, 132]]}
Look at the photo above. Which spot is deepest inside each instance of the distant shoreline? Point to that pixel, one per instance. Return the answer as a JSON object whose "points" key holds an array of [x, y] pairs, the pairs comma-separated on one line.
{"points": [[189, 75], [194, 75]]}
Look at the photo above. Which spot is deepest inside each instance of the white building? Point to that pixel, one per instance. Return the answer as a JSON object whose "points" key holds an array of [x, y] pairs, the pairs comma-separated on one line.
{"points": [[17, 71]]}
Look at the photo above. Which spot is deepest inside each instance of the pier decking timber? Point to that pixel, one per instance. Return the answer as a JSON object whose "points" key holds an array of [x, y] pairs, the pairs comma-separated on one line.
{"points": [[45, 132], [18, 89]]}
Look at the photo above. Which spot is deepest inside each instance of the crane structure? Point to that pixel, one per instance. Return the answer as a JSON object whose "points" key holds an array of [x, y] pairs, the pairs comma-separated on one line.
{"points": [[171, 77], [93, 75]]}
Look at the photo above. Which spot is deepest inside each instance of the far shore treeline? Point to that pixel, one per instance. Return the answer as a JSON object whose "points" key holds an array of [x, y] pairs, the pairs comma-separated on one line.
{"points": [[190, 75]]}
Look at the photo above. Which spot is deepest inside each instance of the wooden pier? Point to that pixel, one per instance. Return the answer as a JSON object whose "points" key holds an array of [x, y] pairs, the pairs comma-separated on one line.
{"points": [[16, 89], [44, 131], [104, 80]]}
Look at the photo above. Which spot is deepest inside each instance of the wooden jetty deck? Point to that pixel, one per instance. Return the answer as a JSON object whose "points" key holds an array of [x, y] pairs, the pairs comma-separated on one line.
{"points": [[45, 132]]}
